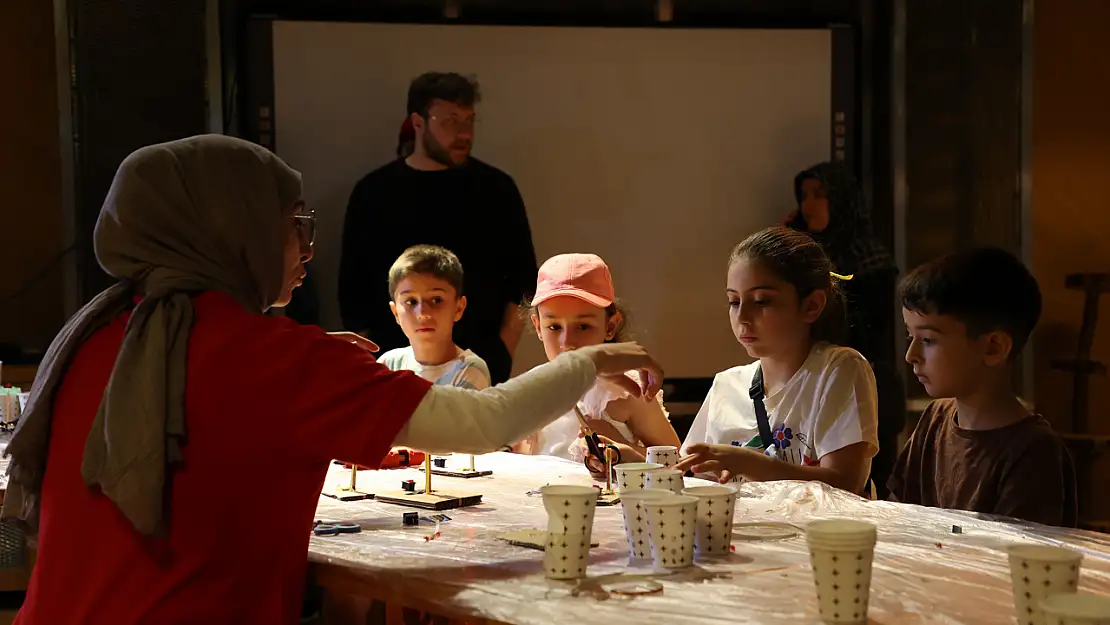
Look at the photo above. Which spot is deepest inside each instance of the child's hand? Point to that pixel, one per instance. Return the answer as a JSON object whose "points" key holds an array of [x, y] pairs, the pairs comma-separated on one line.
{"points": [[724, 461], [625, 454], [604, 429]]}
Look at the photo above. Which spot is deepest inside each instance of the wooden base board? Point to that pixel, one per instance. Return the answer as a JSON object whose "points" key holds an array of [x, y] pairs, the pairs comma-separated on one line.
{"points": [[435, 501], [532, 539], [611, 499], [348, 495], [465, 473]]}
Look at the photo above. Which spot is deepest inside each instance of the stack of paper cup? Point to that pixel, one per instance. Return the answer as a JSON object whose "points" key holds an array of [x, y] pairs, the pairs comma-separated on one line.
{"points": [[671, 529], [713, 521], [841, 551], [1037, 572], [1076, 609], [630, 475], [570, 522], [636, 521], [665, 479], [666, 455]]}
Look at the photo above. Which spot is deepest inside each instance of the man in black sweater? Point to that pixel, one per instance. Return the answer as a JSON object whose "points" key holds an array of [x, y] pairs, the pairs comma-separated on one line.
{"points": [[440, 195]]}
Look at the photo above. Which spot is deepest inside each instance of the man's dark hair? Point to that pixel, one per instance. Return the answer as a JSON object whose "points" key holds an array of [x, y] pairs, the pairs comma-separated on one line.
{"points": [[429, 260], [987, 289], [446, 86]]}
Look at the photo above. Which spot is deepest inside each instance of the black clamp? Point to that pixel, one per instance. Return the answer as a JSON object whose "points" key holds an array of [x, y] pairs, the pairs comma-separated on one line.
{"points": [[409, 486], [411, 518], [440, 463]]}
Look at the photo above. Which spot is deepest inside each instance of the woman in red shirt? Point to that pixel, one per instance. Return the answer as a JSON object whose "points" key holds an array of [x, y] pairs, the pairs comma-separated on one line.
{"points": [[177, 439]]}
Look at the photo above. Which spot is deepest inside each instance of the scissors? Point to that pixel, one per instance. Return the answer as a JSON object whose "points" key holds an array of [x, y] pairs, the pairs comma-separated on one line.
{"points": [[593, 441]]}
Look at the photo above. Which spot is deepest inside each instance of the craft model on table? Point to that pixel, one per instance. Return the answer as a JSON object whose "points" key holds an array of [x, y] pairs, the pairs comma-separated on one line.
{"points": [[349, 492], [439, 467], [428, 499]]}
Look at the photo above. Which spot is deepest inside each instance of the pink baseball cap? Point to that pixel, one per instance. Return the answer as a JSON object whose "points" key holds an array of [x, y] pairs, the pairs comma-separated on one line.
{"points": [[584, 276]]}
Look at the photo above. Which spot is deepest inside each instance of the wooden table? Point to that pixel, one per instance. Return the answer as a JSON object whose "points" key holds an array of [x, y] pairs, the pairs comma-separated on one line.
{"points": [[923, 572]]}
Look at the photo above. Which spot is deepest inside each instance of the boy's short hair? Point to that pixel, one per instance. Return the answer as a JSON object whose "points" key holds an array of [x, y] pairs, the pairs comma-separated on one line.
{"points": [[985, 288], [446, 86], [430, 260]]}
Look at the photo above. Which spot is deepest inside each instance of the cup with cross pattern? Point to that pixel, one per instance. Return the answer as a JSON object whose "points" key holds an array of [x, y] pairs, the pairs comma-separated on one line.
{"points": [[1038, 572], [570, 521]]}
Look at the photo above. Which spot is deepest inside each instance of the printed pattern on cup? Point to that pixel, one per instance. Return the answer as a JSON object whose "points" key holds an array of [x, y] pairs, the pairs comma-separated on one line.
{"points": [[570, 519], [1035, 579], [713, 521], [636, 529], [665, 479], [565, 555], [631, 477], [666, 455], [1076, 609], [843, 580], [671, 531]]}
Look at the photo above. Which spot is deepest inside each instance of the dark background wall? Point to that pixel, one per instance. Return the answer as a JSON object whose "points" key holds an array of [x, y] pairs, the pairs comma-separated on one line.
{"points": [[140, 77]]}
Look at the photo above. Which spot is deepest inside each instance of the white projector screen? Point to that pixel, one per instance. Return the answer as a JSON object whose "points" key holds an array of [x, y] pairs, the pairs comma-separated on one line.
{"points": [[657, 149]]}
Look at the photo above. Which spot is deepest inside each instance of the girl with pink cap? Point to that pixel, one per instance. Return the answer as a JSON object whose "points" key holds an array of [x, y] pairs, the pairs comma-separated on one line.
{"points": [[575, 306]]}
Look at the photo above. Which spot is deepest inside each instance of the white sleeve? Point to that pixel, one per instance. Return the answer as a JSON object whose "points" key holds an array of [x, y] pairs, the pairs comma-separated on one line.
{"points": [[849, 407], [699, 429], [461, 420]]}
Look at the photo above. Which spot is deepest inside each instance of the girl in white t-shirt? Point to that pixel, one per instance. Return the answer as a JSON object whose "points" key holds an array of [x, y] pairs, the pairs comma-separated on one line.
{"points": [[575, 306], [819, 399]]}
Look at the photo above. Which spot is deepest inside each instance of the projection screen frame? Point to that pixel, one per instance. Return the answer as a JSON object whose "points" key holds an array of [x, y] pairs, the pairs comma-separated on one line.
{"points": [[259, 116]]}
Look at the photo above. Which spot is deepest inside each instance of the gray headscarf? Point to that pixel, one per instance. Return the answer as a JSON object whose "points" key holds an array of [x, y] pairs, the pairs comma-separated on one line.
{"points": [[203, 213]]}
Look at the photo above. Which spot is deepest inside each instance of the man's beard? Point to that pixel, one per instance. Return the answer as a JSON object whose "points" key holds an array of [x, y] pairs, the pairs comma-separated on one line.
{"points": [[435, 151]]}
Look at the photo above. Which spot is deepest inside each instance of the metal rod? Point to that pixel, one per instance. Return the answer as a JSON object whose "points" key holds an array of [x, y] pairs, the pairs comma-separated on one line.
{"points": [[427, 474]]}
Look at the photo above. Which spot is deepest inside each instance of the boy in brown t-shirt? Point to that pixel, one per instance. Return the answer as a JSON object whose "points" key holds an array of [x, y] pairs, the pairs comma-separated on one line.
{"points": [[969, 315]]}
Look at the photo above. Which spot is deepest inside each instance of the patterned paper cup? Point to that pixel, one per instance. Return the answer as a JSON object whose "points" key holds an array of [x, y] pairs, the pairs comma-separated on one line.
{"points": [[666, 455], [671, 529], [570, 521], [630, 475], [636, 523], [841, 552], [1038, 572], [713, 522], [665, 479]]}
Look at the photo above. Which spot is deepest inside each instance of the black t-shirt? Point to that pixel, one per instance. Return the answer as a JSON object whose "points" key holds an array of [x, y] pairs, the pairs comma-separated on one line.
{"points": [[476, 212]]}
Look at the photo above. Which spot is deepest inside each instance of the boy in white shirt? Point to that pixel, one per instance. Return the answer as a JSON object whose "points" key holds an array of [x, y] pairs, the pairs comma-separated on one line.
{"points": [[426, 285]]}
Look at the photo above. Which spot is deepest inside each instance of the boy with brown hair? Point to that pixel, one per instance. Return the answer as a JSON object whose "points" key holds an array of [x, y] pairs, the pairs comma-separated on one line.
{"points": [[426, 289], [969, 314]]}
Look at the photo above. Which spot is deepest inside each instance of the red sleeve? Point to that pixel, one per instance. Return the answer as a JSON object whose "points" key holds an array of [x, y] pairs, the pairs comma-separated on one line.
{"points": [[344, 405]]}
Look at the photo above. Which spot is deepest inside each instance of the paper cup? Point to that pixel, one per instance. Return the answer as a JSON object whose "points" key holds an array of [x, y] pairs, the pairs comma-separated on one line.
{"points": [[1038, 572], [570, 521], [841, 552], [1076, 609], [665, 479], [713, 521], [666, 455], [636, 522], [630, 475], [671, 530]]}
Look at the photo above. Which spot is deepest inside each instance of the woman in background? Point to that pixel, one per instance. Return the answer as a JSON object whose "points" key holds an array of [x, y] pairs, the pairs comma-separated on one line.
{"points": [[831, 209]]}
